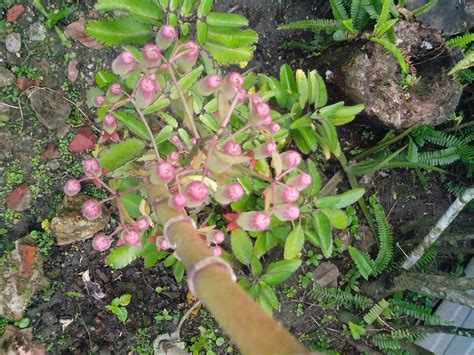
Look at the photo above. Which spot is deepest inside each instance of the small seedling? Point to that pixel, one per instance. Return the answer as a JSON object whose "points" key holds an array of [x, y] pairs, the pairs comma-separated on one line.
{"points": [[117, 306]]}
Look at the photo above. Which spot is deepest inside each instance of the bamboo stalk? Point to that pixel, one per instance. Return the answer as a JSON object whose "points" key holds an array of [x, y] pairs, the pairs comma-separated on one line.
{"points": [[252, 330]]}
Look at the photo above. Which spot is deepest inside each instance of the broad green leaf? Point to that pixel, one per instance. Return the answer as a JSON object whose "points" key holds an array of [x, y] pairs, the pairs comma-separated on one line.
{"points": [[158, 105], [205, 6], [263, 302], [348, 111], [186, 8], [118, 154], [337, 218], [122, 256], [169, 261], [294, 243], [201, 32], [225, 55], [309, 137], [327, 202], [349, 197], [280, 271], [133, 124], [328, 111], [361, 261], [232, 37], [301, 122], [178, 270], [131, 203], [300, 142], [340, 121], [256, 266], [170, 120], [174, 5], [357, 331], [209, 121], [244, 283], [322, 228], [269, 295], [164, 134], [143, 8], [226, 20], [119, 30], [151, 255], [302, 84], [281, 94], [104, 78], [125, 299], [241, 246], [187, 81], [320, 93], [211, 106], [287, 78], [315, 178]]}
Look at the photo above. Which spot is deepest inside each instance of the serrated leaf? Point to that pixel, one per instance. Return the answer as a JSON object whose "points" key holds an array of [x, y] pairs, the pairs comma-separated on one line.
{"points": [[287, 78], [337, 218], [242, 246], [280, 271], [104, 78], [122, 256], [301, 122], [309, 137], [205, 6], [361, 261], [315, 178], [118, 154], [143, 8], [322, 228], [302, 85], [357, 330], [164, 134], [119, 30], [160, 103], [294, 243], [221, 19], [125, 299], [133, 124], [349, 197], [225, 55], [187, 81], [151, 254], [256, 266], [232, 37], [269, 295]]}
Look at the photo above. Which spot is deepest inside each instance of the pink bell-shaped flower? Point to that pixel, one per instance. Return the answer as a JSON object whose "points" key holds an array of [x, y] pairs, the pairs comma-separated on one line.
{"points": [[124, 64], [229, 193], [163, 173], [196, 193], [208, 85], [114, 92], [286, 194], [146, 91], [72, 187], [166, 36], [286, 212], [177, 201], [131, 236], [265, 150], [151, 56], [91, 209], [232, 85], [143, 223], [290, 159], [189, 56], [254, 221], [301, 181], [101, 242], [109, 123], [92, 168]]}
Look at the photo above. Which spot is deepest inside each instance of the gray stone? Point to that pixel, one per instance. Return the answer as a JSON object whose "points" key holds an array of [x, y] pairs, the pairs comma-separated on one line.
{"points": [[13, 42], [50, 108], [37, 32], [70, 226], [6, 77], [326, 274], [21, 275]]}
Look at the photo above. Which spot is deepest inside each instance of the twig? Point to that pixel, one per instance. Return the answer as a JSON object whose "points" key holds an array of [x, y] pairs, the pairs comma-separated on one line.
{"points": [[186, 316]]}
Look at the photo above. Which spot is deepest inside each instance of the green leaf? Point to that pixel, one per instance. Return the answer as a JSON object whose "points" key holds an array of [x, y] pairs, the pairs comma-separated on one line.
{"points": [[281, 94], [269, 295], [158, 105], [164, 134], [187, 81], [131, 203], [301, 122], [225, 55], [232, 37], [287, 78], [309, 137], [294, 243], [241, 246], [337, 218], [226, 20], [348, 111], [143, 8], [300, 142], [133, 124], [125, 299], [104, 78], [122, 256], [328, 111], [205, 6], [118, 154], [357, 331], [209, 121], [151, 255], [280, 271], [178, 270], [201, 28], [170, 260], [119, 30], [170, 120], [362, 262], [256, 266], [315, 178], [322, 228], [349, 197], [302, 85]]}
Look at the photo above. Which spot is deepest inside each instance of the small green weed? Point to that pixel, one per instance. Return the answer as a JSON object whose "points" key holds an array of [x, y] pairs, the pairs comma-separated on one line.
{"points": [[117, 307]]}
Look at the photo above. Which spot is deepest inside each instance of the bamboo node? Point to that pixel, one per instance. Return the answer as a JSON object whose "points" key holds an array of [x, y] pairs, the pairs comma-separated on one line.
{"points": [[202, 264], [172, 221]]}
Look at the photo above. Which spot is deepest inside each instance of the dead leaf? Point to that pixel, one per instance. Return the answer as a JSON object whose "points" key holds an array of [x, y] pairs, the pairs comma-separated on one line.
{"points": [[190, 299], [77, 31], [72, 71], [65, 323]]}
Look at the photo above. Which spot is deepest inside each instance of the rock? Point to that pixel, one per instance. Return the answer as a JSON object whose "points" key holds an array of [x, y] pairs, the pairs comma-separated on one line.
{"points": [[326, 274], [16, 341], [37, 32], [84, 140], [15, 12], [20, 198], [70, 226], [13, 42], [72, 71], [6, 77], [24, 83], [366, 240], [50, 108], [21, 275]]}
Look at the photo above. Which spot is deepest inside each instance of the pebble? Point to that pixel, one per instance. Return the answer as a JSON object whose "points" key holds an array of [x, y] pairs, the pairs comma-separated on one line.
{"points": [[37, 32], [6, 77], [13, 42]]}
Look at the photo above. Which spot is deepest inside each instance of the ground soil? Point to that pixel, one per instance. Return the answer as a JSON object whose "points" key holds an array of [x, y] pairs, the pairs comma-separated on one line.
{"points": [[93, 329]]}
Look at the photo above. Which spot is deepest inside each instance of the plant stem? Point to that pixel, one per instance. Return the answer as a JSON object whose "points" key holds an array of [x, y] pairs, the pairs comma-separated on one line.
{"points": [[439, 228], [150, 133]]}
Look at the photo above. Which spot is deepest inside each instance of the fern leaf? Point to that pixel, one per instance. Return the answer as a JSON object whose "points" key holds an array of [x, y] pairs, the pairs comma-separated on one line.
{"points": [[384, 13], [461, 41], [465, 63], [400, 307], [340, 298], [395, 51], [385, 343], [439, 157], [142, 8], [423, 8], [465, 76], [362, 260], [384, 27], [338, 10], [119, 30], [385, 253], [358, 14], [376, 311], [315, 24], [370, 9]]}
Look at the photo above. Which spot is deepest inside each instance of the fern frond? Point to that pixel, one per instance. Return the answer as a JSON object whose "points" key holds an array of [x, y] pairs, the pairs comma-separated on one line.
{"points": [[414, 310], [363, 262], [340, 298], [461, 41], [439, 157], [358, 15], [370, 9], [465, 76], [376, 311], [385, 253], [338, 10], [423, 8], [464, 63], [428, 257], [384, 14], [389, 46], [314, 24]]}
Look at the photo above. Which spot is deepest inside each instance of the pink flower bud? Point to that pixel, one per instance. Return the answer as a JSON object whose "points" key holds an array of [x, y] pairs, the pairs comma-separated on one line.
{"points": [[242, 96], [174, 139], [165, 36], [301, 181], [91, 168], [131, 236], [164, 172], [124, 64], [110, 123], [162, 243], [216, 251], [177, 201], [146, 91], [286, 212], [173, 157], [229, 193], [261, 110], [114, 93], [232, 148], [254, 221], [266, 121], [208, 85], [101, 242], [290, 159], [232, 85], [255, 99], [189, 57], [275, 127], [265, 150], [72, 187], [143, 223], [193, 141], [286, 194], [91, 209], [99, 101], [196, 193], [151, 55], [216, 236]]}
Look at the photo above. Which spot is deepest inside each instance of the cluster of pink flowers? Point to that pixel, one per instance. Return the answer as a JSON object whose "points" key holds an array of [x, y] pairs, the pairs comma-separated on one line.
{"points": [[190, 186]]}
